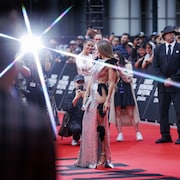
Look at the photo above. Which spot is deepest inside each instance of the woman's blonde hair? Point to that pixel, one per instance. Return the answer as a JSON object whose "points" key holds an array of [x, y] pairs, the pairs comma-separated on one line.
{"points": [[105, 49]]}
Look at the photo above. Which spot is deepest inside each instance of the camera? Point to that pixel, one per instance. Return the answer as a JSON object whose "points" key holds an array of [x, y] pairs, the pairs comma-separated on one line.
{"points": [[80, 88]]}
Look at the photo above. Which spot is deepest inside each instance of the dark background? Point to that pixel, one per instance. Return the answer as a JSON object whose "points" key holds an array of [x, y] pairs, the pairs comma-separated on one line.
{"points": [[43, 12], [82, 14]]}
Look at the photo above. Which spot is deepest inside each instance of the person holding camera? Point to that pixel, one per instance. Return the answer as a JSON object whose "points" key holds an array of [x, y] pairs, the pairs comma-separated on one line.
{"points": [[73, 107]]}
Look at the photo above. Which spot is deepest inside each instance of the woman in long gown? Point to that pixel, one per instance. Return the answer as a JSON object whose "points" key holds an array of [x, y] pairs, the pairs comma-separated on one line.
{"points": [[95, 144]]}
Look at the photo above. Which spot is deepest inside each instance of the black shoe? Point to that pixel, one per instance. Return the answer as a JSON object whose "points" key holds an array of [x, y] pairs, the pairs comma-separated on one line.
{"points": [[177, 141], [164, 140]]}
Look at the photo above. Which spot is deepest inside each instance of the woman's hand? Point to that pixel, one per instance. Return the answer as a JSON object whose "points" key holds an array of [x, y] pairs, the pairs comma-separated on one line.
{"points": [[106, 106]]}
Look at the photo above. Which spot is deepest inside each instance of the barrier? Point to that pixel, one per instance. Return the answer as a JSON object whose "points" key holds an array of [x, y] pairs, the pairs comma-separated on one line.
{"points": [[145, 90]]}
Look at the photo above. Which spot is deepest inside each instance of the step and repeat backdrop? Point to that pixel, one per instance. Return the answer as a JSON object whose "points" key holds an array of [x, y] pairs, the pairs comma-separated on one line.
{"points": [[61, 78]]}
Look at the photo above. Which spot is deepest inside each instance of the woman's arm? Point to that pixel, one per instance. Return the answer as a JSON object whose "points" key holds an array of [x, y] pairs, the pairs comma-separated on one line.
{"points": [[86, 95], [111, 82], [138, 62], [126, 73], [147, 61]]}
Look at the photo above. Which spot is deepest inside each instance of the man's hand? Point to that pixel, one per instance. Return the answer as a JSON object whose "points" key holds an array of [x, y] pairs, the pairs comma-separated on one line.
{"points": [[79, 93], [168, 82]]}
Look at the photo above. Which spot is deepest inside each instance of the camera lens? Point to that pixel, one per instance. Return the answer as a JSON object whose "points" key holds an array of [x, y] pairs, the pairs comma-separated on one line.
{"points": [[81, 88]]}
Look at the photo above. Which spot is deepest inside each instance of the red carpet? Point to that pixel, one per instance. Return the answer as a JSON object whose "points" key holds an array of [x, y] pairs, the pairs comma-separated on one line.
{"points": [[133, 160]]}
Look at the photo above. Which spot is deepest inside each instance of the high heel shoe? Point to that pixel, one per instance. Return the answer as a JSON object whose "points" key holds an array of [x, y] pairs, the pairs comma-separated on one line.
{"points": [[102, 161], [108, 164]]}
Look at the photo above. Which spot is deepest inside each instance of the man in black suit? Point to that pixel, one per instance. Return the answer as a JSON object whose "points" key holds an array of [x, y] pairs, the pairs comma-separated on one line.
{"points": [[166, 65]]}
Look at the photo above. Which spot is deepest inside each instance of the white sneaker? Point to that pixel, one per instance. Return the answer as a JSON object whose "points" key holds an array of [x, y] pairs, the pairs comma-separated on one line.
{"points": [[74, 143], [139, 136], [120, 137]]}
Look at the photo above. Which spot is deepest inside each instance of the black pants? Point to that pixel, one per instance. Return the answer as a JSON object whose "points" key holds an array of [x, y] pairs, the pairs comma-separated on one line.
{"points": [[76, 129], [165, 100]]}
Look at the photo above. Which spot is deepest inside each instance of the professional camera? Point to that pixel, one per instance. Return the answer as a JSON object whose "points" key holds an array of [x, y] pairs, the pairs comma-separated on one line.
{"points": [[80, 88]]}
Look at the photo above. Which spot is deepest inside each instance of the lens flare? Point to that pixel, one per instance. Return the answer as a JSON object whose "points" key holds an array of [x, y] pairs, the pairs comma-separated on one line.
{"points": [[57, 20], [30, 43], [40, 72], [140, 74], [26, 20], [45, 92], [8, 37], [10, 65]]}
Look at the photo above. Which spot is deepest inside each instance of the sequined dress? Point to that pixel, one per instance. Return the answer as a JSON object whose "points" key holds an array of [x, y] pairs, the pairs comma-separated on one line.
{"points": [[90, 147]]}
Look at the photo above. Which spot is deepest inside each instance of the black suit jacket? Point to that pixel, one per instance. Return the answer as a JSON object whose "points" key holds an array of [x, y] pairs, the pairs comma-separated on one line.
{"points": [[164, 68]]}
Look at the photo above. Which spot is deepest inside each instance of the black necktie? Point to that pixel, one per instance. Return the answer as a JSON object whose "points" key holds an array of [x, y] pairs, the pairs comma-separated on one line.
{"points": [[169, 49], [169, 53]]}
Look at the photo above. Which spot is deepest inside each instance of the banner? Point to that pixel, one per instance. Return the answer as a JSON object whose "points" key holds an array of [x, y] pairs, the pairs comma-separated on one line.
{"points": [[145, 90]]}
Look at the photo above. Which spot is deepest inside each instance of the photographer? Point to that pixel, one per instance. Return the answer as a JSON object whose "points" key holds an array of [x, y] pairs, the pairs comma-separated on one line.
{"points": [[73, 107], [34, 91]]}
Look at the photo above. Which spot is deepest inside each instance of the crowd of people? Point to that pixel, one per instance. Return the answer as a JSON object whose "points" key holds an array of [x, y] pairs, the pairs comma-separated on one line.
{"points": [[110, 94], [103, 94]]}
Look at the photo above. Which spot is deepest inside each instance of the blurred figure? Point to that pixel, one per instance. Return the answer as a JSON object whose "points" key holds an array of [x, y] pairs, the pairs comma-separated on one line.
{"points": [[91, 32], [26, 143], [159, 40], [50, 60], [140, 56], [72, 49], [137, 42], [33, 93], [20, 81], [123, 46], [142, 38], [97, 37], [153, 38], [149, 56], [115, 41], [111, 37], [53, 44], [80, 41]]}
